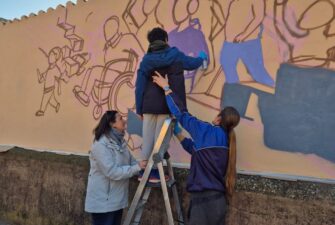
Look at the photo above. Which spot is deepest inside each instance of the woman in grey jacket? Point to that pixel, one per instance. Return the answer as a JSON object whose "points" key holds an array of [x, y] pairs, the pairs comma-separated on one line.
{"points": [[111, 167]]}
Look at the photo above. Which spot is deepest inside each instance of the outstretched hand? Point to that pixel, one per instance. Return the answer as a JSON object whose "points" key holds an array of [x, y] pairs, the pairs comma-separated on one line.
{"points": [[160, 80]]}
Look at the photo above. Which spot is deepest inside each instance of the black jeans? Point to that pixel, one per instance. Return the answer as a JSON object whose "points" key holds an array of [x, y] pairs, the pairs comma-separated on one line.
{"points": [[207, 208], [109, 218]]}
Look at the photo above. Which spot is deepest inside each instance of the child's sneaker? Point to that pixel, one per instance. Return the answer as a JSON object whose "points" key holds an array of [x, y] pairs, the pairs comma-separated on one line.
{"points": [[155, 178]]}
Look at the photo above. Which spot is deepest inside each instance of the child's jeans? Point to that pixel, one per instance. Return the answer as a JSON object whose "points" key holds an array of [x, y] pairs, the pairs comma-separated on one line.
{"points": [[152, 125]]}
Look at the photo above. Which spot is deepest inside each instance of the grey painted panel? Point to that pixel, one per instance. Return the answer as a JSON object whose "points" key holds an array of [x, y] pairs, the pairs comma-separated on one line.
{"points": [[300, 116], [134, 124]]}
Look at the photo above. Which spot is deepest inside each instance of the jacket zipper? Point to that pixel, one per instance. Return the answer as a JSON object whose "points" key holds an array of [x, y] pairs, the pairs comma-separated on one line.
{"points": [[109, 186]]}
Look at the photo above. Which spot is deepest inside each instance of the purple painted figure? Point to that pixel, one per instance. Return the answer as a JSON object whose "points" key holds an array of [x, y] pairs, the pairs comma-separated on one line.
{"points": [[190, 41]]}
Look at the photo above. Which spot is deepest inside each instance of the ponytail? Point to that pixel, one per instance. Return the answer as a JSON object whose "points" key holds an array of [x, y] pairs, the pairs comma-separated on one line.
{"points": [[230, 118], [231, 168]]}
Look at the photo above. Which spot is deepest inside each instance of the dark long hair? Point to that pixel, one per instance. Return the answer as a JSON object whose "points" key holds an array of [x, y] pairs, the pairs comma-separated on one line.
{"points": [[230, 118], [103, 126]]}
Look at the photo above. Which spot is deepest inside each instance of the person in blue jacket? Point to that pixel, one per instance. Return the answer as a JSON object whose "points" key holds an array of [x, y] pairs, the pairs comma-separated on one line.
{"points": [[213, 162], [150, 99]]}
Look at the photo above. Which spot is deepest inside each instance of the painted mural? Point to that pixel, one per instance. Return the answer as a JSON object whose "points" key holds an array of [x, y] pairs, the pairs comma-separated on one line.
{"points": [[274, 60], [64, 62]]}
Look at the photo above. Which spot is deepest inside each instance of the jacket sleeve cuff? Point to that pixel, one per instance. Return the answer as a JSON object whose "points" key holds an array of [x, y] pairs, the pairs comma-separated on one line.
{"points": [[136, 168], [139, 112]]}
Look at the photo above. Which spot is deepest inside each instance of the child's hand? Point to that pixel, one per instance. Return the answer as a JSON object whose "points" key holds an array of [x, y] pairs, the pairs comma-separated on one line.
{"points": [[143, 164]]}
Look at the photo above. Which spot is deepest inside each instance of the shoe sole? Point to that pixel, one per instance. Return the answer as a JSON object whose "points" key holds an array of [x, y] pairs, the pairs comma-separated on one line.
{"points": [[154, 181]]}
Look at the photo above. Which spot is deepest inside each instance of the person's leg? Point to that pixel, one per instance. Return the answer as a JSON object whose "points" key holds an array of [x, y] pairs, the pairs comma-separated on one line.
{"points": [[53, 102], [84, 91], [102, 218], [148, 141], [117, 217], [201, 202], [253, 59], [47, 93], [197, 215], [230, 55], [217, 216], [160, 119], [148, 135], [91, 75], [159, 124]]}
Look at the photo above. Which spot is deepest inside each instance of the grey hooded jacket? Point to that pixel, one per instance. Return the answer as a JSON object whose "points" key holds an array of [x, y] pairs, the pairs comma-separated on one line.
{"points": [[108, 181]]}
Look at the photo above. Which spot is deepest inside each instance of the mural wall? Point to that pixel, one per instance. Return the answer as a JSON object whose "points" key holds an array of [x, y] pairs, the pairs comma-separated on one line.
{"points": [[274, 60]]}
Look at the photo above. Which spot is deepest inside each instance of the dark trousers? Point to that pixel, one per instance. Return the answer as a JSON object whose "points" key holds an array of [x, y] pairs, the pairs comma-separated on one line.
{"points": [[109, 218], [207, 208]]}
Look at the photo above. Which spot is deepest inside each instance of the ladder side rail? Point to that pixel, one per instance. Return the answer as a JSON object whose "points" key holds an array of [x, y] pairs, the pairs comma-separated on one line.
{"points": [[139, 191], [175, 194]]}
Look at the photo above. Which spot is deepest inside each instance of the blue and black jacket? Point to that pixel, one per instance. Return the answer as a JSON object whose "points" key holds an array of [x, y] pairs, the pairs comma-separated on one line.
{"points": [[150, 98], [209, 149]]}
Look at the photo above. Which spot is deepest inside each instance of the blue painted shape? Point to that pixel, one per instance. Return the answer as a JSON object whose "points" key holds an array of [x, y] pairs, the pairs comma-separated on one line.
{"points": [[238, 96], [134, 124], [300, 116], [250, 52]]}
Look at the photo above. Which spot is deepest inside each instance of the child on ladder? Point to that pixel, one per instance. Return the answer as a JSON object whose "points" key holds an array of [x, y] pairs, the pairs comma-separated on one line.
{"points": [[150, 99]]}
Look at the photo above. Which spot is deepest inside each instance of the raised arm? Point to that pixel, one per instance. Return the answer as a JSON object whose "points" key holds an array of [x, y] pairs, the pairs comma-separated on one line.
{"points": [[195, 127], [190, 63], [187, 143]]}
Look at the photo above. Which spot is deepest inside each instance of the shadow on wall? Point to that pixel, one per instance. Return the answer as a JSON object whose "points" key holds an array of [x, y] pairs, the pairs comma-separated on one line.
{"points": [[300, 116]]}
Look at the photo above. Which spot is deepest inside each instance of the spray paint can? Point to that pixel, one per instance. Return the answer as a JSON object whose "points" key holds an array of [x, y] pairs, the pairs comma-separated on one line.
{"points": [[204, 64]]}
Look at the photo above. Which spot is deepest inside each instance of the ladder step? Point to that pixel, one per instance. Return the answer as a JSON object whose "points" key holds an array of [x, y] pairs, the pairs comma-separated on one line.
{"points": [[169, 184], [140, 206]]}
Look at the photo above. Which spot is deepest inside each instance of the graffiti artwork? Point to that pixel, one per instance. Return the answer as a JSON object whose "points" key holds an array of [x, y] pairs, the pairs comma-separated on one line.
{"points": [[101, 83], [244, 41], [273, 60], [64, 62], [187, 29], [299, 28]]}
